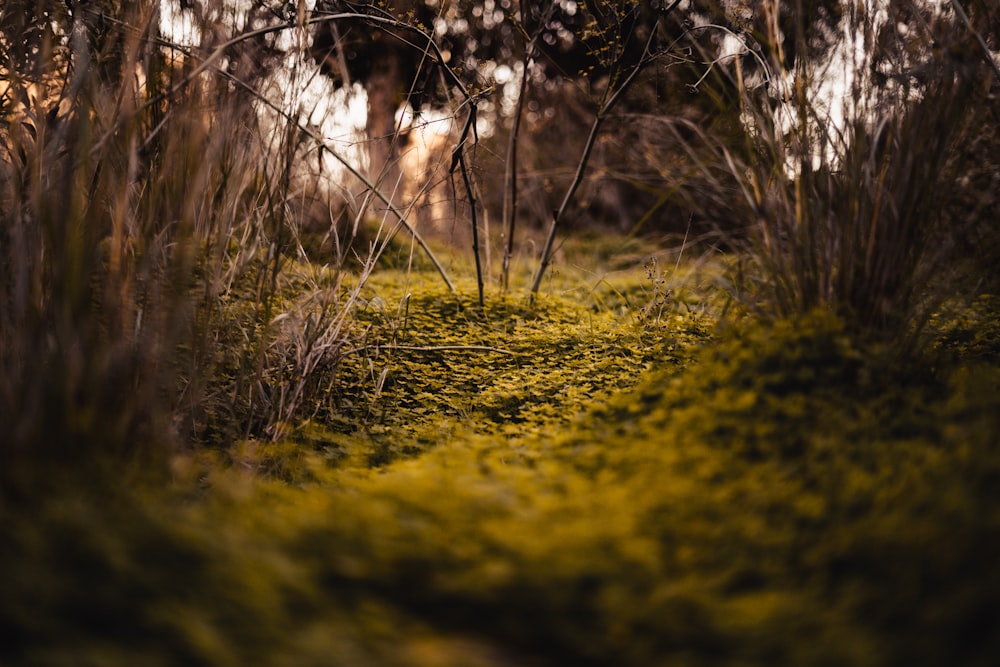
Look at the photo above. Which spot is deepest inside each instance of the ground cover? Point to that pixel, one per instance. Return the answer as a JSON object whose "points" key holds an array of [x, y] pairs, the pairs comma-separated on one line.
{"points": [[573, 481]]}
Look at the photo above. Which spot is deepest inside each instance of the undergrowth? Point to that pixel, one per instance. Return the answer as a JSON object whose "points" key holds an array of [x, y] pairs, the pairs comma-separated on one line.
{"points": [[856, 202], [218, 452], [782, 498], [427, 358]]}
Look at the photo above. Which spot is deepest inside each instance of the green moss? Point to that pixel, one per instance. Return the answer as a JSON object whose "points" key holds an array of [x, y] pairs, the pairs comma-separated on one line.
{"points": [[745, 511], [430, 362], [781, 496]]}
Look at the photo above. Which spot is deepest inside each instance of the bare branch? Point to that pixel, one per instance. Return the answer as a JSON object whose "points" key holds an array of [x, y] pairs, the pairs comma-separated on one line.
{"points": [[611, 99], [987, 54]]}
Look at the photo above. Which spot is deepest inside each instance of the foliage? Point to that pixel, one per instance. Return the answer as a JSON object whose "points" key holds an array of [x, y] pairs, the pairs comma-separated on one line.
{"points": [[599, 476], [495, 56], [781, 501], [427, 357], [571, 39]]}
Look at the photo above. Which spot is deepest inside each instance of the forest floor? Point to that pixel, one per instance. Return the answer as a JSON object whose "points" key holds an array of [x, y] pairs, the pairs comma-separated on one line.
{"points": [[621, 472]]}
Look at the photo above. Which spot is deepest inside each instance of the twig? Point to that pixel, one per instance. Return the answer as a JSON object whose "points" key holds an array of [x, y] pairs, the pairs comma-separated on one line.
{"points": [[987, 54], [458, 159], [510, 178], [581, 167], [208, 63], [437, 348], [321, 143], [511, 166]]}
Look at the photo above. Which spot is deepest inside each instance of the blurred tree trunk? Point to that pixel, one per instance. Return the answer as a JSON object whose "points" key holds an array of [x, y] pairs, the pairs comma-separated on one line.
{"points": [[384, 88]]}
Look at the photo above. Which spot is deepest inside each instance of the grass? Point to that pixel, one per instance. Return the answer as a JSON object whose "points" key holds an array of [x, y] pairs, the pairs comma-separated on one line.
{"points": [[147, 216], [848, 201]]}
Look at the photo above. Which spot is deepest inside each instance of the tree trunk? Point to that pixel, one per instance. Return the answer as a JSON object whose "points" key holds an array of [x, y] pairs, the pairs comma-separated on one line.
{"points": [[384, 88]]}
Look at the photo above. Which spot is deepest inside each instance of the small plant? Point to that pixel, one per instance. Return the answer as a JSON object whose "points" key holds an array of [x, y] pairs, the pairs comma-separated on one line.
{"points": [[651, 316]]}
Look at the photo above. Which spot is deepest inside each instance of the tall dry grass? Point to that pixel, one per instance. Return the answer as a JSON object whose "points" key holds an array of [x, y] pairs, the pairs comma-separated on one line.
{"points": [[145, 231], [846, 195], [858, 236]]}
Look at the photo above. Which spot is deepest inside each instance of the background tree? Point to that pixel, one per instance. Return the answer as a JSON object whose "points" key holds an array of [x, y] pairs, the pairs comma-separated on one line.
{"points": [[583, 49]]}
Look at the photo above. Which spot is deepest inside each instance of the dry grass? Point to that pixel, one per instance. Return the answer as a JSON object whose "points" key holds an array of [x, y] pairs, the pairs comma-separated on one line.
{"points": [[144, 237], [845, 199]]}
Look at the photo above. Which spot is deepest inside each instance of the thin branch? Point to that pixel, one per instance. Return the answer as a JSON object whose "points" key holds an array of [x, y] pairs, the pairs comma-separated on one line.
{"points": [[511, 176], [437, 348], [458, 159], [221, 50], [510, 202], [403, 222], [581, 167], [711, 64], [209, 64], [987, 54]]}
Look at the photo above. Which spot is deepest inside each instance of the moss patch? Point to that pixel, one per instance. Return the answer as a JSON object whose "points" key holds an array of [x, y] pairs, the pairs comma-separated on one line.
{"points": [[771, 496], [430, 363]]}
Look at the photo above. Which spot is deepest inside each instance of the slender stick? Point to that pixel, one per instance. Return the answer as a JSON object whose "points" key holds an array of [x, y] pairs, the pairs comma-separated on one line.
{"points": [[458, 159], [510, 179], [403, 222], [557, 216], [208, 63], [220, 51], [510, 168], [987, 55], [581, 168], [438, 348]]}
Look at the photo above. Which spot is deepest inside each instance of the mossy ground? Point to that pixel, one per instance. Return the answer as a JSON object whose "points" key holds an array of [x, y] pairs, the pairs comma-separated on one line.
{"points": [[602, 477]]}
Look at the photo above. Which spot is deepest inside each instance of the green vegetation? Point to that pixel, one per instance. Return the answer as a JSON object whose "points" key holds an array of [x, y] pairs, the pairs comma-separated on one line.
{"points": [[761, 495], [235, 437]]}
